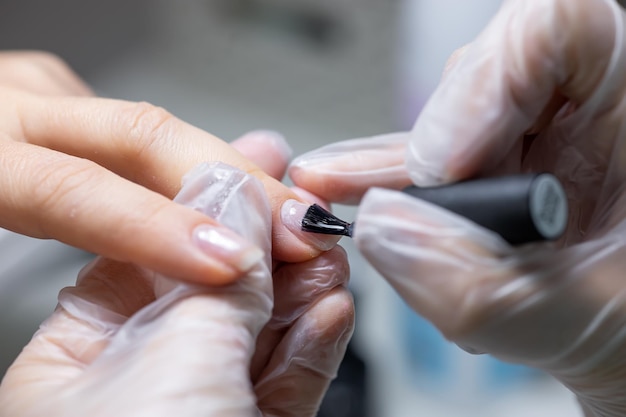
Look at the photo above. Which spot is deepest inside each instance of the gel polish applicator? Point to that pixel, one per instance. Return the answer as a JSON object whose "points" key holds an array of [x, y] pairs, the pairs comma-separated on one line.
{"points": [[521, 208]]}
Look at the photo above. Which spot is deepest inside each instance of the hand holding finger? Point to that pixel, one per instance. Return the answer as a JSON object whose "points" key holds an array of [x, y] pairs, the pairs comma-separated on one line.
{"points": [[145, 341]]}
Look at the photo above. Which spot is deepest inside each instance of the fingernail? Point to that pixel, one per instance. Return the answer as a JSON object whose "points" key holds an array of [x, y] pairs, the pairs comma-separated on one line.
{"points": [[384, 152], [226, 245], [292, 213], [317, 161], [277, 140]]}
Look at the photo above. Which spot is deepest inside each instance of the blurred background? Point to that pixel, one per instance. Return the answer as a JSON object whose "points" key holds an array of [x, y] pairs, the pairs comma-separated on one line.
{"points": [[317, 71]]}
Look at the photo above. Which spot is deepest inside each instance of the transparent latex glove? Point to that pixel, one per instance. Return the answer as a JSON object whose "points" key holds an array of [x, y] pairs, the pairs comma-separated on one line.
{"points": [[127, 342], [541, 89]]}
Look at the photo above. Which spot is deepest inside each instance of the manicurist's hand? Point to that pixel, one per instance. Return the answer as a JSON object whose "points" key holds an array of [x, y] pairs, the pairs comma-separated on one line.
{"points": [[543, 88], [128, 342], [99, 174]]}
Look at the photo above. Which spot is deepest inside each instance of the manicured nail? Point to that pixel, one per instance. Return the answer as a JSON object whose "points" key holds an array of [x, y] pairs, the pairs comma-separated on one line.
{"points": [[277, 140], [227, 246], [292, 213], [322, 163]]}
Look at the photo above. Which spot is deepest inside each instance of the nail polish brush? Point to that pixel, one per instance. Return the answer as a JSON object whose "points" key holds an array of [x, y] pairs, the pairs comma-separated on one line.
{"points": [[521, 208]]}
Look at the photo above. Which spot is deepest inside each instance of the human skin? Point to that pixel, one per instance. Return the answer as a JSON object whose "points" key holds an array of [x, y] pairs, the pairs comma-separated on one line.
{"points": [[99, 174]]}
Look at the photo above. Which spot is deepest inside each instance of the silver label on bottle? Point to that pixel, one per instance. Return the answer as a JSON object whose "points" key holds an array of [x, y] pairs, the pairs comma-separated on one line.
{"points": [[548, 206]]}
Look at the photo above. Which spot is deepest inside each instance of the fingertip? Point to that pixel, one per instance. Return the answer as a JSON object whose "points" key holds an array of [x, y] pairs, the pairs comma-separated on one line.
{"points": [[266, 148], [289, 242], [342, 172], [292, 213], [226, 245], [193, 248]]}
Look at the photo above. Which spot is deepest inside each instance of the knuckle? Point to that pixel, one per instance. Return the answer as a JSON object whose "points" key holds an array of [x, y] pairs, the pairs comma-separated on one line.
{"points": [[148, 126]]}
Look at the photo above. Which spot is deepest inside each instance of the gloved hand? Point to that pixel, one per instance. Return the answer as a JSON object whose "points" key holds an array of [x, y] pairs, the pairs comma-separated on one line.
{"points": [[99, 174], [543, 88], [128, 342]]}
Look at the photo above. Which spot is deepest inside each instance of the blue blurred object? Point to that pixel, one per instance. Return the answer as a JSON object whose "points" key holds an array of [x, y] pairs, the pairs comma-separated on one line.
{"points": [[439, 367]]}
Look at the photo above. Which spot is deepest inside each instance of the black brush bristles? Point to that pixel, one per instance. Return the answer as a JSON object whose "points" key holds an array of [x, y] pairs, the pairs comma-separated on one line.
{"points": [[319, 220]]}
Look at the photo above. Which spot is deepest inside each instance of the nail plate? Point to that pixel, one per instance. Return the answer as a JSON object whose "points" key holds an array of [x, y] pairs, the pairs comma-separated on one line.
{"points": [[292, 213], [225, 245], [277, 140]]}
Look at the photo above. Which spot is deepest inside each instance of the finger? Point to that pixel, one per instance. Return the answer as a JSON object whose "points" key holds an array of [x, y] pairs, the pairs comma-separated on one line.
{"points": [[40, 73], [205, 334], [307, 358], [275, 154], [490, 297], [310, 197], [192, 341], [342, 172], [297, 287], [432, 257], [46, 194], [504, 81], [76, 334], [194, 345], [151, 147]]}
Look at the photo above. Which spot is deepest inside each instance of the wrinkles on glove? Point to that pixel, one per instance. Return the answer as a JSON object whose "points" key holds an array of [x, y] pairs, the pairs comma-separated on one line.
{"points": [[404, 238], [303, 364], [127, 341], [560, 310], [506, 79], [226, 195], [298, 284], [178, 343], [298, 318], [542, 89]]}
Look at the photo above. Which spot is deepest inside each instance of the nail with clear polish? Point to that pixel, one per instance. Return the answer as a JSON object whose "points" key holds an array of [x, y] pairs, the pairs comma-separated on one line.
{"points": [[277, 141], [292, 213], [224, 244]]}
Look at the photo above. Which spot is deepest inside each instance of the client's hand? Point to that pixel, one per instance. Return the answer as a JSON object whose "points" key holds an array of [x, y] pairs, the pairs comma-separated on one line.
{"points": [[99, 174], [126, 341]]}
